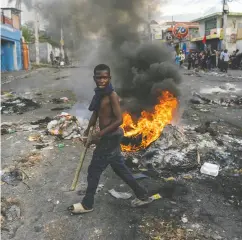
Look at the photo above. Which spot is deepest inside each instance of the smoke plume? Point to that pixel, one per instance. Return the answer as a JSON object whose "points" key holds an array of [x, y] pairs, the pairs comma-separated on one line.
{"points": [[139, 69]]}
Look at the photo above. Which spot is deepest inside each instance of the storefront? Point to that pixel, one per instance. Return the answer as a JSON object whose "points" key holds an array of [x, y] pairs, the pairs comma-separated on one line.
{"points": [[213, 41], [11, 54]]}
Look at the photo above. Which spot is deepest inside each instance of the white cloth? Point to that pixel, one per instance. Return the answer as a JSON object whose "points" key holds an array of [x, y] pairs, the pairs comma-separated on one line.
{"points": [[225, 56]]}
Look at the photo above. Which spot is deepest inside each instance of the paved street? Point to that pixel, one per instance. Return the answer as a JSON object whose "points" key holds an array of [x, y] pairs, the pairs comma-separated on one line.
{"points": [[204, 207]]}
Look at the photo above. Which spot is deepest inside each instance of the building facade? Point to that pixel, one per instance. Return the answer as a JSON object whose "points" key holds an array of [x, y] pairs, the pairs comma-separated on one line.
{"points": [[211, 26], [11, 51]]}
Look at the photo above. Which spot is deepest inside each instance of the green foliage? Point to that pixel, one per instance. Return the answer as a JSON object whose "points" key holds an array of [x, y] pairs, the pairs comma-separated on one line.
{"points": [[27, 34]]}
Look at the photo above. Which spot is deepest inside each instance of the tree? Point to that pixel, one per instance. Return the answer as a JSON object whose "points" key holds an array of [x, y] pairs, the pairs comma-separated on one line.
{"points": [[27, 34]]}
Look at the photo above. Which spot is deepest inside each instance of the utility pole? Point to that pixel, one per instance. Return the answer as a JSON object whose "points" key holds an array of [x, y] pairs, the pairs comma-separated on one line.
{"points": [[149, 23], [36, 34], [225, 17], [62, 41]]}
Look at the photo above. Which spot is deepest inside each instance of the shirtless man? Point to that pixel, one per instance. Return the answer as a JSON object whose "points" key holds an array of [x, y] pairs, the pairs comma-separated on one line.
{"points": [[106, 107]]}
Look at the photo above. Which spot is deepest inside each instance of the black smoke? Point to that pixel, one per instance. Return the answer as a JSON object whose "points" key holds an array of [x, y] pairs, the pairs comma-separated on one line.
{"points": [[140, 69]]}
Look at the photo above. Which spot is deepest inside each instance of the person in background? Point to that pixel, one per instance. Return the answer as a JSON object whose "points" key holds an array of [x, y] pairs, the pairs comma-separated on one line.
{"points": [[189, 58], [213, 58], [208, 60], [203, 60], [52, 57], [196, 61], [182, 57], [221, 62], [218, 59], [225, 58], [237, 57], [177, 59]]}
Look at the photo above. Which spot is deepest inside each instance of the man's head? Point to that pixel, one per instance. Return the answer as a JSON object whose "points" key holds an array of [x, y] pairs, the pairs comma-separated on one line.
{"points": [[102, 75], [237, 50], [225, 50]]}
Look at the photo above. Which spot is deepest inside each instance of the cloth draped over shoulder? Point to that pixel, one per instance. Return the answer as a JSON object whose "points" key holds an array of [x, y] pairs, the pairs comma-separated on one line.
{"points": [[99, 94]]}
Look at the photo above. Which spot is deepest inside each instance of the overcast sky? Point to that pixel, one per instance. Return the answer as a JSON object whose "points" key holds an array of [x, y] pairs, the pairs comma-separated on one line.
{"points": [[186, 10], [181, 10]]}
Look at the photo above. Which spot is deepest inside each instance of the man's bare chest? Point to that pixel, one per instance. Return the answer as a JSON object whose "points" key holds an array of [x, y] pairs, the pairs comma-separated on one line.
{"points": [[105, 105]]}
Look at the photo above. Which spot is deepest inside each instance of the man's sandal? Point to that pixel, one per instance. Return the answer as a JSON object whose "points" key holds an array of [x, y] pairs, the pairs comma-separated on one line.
{"points": [[138, 203], [78, 208]]}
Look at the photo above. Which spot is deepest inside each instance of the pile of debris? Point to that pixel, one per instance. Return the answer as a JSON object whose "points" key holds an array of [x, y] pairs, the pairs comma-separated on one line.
{"points": [[173, 151], [18, 105], [187, 148], [66, 126]]}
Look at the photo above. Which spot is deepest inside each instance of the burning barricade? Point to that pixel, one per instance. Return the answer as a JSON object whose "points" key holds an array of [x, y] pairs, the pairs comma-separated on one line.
{"points": [[153, 141]]}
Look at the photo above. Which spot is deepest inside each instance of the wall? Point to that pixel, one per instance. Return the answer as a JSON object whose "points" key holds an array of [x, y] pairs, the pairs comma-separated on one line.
{"points": [[239, 45], [202, 28], [44, 52], [233, 25]]}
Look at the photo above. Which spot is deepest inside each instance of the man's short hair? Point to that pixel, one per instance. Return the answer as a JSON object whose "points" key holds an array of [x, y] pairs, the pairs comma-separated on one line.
{"points": [[102, 67]]}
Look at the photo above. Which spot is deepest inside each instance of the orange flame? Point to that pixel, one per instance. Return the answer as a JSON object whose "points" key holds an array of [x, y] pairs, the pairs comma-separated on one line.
{"points": [[151, 124]]}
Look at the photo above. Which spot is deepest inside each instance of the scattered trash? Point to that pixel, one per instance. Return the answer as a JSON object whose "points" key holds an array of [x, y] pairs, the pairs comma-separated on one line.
{"points": [[61, 145], [12, 176], [120, 195], [8, 128], [7, 131], [99, 187], [184, 219], [60, 108], [60, 100], [156, 228], [238, 171], [7, 95], [187, 177], [65, 126], [42, 145], [139, 175], [31, 159], [42, 121], [34, 137], [169, 179], [210, 169], [62, 77], [18, 105], [156, 196]]}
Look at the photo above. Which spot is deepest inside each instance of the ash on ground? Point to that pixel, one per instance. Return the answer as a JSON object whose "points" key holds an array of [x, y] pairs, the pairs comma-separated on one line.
{"points": [[18, 105]]}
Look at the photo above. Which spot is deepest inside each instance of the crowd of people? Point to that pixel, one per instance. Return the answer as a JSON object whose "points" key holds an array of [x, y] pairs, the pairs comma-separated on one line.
{"points": [[209, 59]]}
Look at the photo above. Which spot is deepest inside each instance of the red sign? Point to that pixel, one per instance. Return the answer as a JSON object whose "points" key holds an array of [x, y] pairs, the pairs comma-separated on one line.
{"points": [[180, 31]]}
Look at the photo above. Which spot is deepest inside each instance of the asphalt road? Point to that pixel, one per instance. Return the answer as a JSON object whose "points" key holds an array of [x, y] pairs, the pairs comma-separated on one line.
{"points": [[206, 203]]}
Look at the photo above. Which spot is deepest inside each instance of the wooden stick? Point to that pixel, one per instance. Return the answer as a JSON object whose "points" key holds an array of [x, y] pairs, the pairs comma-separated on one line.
{"points": [[78, 170]]}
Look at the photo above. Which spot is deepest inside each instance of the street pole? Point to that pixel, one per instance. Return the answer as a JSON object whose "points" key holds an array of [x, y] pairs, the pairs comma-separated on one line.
{"points": [[36, 34], [225, 18], [62, 41]]}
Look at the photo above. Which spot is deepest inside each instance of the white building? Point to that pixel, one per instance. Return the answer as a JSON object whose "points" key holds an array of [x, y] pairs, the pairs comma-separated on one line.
{"points": [[212, 27]]}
